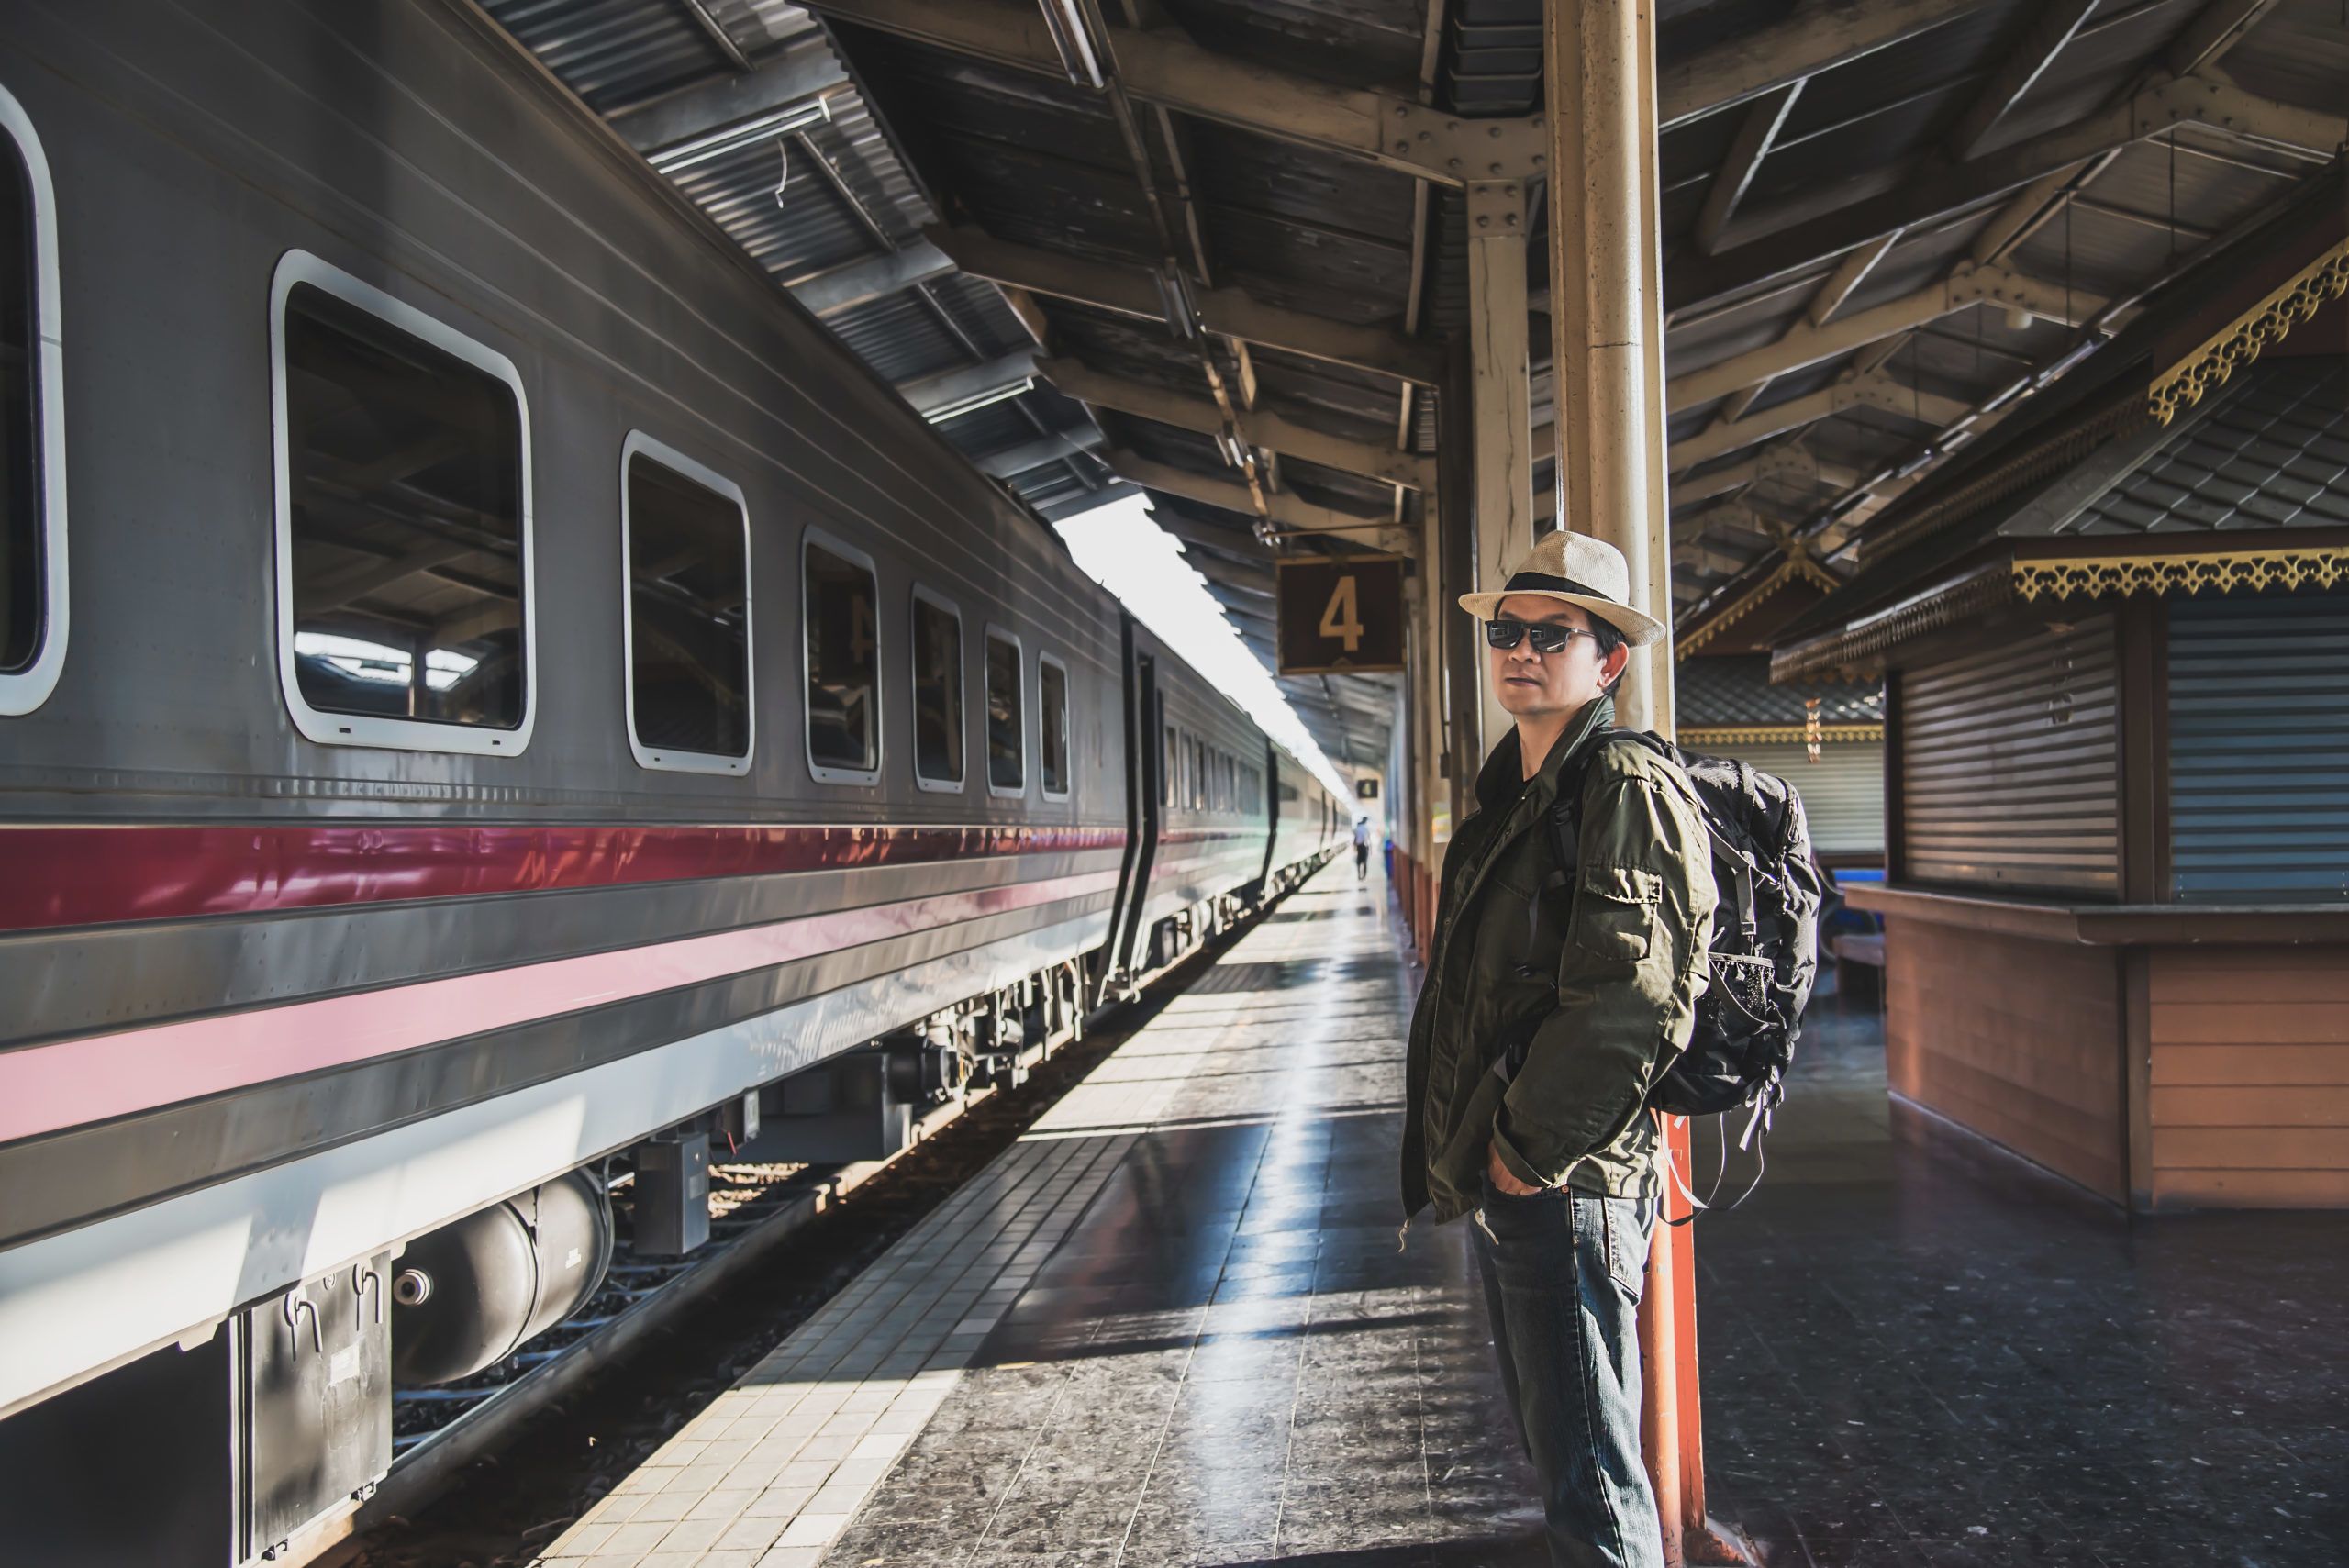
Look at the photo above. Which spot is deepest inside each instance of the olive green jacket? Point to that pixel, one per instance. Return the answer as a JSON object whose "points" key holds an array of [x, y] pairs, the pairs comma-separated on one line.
{"points": [[1617, 963]]}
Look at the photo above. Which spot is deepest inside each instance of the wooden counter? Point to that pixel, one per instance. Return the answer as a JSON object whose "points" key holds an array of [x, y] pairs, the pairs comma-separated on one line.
{"points": [[2164, 1057]]}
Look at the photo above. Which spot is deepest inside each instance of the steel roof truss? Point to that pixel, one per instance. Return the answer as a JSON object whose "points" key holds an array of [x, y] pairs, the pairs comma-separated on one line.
{"points": [[1131, 289]]}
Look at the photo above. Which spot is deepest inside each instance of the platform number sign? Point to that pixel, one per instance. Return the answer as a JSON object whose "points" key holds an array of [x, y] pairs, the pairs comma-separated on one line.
{"points": [[1340, 614]]}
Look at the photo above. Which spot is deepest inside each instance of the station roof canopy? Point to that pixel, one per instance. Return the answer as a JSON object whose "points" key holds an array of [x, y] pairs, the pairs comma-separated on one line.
{"points": [[2205, 448], [1174, 246]]}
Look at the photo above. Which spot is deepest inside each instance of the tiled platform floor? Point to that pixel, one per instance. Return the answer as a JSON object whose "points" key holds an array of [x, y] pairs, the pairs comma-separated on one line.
{"points": [[1931, 1356], [1171, 1327]]}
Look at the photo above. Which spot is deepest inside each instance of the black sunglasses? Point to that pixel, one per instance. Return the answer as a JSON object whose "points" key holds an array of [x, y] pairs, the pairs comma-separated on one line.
{"points": [[1546, 639]]}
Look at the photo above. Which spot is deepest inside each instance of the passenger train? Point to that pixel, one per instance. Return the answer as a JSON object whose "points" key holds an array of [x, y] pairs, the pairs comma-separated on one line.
{"points": [[488, 687]]}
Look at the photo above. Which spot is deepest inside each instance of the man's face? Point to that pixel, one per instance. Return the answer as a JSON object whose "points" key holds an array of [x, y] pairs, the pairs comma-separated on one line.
{"points": [[1530, 685]]}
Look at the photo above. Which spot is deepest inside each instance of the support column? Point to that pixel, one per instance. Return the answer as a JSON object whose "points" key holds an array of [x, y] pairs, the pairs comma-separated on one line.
{"points": [[1607, 317], [1501, 399]]}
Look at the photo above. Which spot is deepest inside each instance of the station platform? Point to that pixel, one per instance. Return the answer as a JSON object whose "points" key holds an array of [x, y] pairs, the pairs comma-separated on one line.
{"points": [[1171, 1326]]}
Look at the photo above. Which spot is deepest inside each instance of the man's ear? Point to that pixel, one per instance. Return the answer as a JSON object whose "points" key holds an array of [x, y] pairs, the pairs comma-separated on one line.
{"points": [[1611, 669]]}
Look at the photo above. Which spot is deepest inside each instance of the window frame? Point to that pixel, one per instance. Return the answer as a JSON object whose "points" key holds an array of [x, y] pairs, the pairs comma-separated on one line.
{"points": [[22, 691], [824, 773], [938, 601], [990, 633], [674, 760], [1068, 735], [295, 269]]}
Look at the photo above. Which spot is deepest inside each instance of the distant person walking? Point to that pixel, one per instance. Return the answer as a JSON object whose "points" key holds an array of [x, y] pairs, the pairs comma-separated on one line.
{"points": [[1556, 995], [1361, 848]]}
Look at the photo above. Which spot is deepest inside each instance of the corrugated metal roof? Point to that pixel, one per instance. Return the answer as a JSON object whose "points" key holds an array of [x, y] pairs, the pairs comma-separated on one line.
{"points": [[613, 54]]}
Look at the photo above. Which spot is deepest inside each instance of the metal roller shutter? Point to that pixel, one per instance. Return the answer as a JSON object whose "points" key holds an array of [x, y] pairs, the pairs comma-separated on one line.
{"points": [[2259, 750], [2008, 764], [1843, 793]]}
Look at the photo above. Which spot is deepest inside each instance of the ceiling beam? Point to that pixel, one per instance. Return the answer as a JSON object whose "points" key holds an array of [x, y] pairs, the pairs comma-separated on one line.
{"points": [[859, 283], [1850, 274], [794, 76], [1707, 557], [1288, 514], [1763, 117], [958, 390], [1725, 481], [1370, 460], [2215, 29], [2050, 27], [1161, 66], [1131, 289], [1867, 392], [1934, 190], [1814, 37], [1807, 344]]}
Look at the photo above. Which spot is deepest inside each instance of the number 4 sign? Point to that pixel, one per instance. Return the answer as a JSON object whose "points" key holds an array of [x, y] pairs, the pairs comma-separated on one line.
{"points": [[1340, 613]]}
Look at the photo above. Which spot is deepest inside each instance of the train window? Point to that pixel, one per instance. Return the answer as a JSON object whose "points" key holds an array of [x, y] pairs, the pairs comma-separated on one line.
{"points": [[402, 523], [937, 691], [1006, 733], [1052, 717], [842, 601], [686, 535], [33, 598], [1169, 767]]}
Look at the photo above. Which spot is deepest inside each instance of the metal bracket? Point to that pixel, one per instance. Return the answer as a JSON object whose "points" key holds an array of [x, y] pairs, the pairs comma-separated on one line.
{"points": [[1970, 283], [2208, 98], [1445, 146], [1496, 209]]}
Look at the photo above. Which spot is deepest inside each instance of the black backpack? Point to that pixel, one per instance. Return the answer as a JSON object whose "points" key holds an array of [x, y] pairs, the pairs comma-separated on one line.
{"points": [[1765, 932]]}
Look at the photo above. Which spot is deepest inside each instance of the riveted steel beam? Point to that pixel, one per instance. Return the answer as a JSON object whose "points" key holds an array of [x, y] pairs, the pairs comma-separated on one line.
{"points": [[1257, 428], [1130, 289], [1161, 66], [1807, 343]]}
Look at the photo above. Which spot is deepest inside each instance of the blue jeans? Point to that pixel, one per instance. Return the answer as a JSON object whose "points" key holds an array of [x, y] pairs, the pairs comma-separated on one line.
{"points": [[1562, 1273]]}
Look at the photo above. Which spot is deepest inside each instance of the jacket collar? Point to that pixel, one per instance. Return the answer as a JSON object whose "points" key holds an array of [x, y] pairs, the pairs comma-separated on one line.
{"points": [[1503, 774]]}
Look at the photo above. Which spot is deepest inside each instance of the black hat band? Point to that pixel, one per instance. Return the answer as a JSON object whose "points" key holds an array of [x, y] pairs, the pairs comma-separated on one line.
{"points": [[1525, 581]]}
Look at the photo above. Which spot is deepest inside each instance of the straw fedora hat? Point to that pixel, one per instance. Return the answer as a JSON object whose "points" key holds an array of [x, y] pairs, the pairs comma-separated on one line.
{"points": [[1574, 569]]}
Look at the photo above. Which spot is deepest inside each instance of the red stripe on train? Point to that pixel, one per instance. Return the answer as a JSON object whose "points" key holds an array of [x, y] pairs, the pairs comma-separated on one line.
{"points": [[84, 875], [45, 1088]]}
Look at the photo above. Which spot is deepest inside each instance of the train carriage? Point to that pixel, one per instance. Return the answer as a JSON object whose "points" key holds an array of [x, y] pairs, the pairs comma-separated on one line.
{"points": [[499, 682]]}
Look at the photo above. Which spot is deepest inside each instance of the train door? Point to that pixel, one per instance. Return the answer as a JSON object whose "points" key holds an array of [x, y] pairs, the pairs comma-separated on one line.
{"points": [[1272, 803], [1146, 808]]}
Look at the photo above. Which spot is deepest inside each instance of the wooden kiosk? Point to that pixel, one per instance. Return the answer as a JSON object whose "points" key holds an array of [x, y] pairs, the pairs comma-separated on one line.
{"points": [[2116, 641]]}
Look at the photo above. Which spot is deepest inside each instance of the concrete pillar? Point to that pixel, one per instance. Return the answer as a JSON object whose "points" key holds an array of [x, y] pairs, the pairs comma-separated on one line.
{"points": [[1606, 292], [1429, 825], [1501, 399], [1606, 312]]}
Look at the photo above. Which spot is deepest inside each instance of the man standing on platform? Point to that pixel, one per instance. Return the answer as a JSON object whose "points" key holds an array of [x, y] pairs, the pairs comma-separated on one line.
{"points": [[1555, 997], [1362, 848]]}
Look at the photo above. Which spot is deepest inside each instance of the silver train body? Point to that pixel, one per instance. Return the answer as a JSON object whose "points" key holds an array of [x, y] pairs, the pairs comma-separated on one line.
{"points": [[279, 999]]}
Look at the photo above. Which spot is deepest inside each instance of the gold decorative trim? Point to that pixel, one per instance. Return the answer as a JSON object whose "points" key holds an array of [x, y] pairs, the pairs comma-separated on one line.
{"points": [[1772, 734], [2321, 566], [1793, 568], [2249, 335]]}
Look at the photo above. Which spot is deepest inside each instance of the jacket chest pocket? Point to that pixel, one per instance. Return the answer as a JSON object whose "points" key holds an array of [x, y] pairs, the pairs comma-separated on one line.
{"points": [[1615, 910]]}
